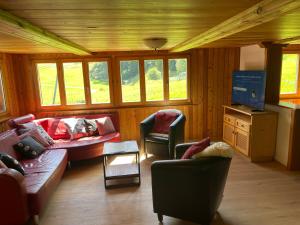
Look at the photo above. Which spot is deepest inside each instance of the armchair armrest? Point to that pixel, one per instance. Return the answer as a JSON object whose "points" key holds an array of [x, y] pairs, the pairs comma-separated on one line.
{"points": [[145, 128], [14, 208], [176, 134]]}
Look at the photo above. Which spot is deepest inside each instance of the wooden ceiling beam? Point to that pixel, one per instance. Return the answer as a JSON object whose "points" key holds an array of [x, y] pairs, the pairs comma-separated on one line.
{"points": [[260, 13], [26, 30]]}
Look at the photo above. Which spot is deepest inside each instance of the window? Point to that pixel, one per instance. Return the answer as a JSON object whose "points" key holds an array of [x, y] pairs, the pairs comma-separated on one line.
{"points": [[74, 85], [289, 74], [48, 82], [99, 82], [2, 98], [154, 80], [177, 79], [130, 81]]}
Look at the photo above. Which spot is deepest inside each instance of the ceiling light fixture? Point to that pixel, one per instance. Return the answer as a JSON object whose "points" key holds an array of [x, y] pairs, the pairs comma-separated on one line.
{"points": [[155, 43]]}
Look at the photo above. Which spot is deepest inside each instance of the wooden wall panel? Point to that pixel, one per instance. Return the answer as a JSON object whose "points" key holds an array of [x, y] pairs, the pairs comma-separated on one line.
{"points": [[210, 76]]}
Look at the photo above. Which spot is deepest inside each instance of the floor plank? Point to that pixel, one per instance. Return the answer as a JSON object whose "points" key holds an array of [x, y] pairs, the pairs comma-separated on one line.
{"points": [[256, 194]]}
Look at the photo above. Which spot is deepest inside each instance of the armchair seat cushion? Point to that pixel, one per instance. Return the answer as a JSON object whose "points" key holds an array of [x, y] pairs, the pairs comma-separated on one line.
{"points": [[153, 137]]}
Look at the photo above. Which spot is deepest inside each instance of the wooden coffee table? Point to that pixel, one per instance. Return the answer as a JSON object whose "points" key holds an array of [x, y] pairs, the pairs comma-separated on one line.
{"points": [[115, 172]]}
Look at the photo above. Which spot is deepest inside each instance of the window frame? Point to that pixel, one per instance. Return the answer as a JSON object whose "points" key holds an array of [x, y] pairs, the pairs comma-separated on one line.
{"points": [[85, 71], [297, 94], [166, 100], [3, 71]]}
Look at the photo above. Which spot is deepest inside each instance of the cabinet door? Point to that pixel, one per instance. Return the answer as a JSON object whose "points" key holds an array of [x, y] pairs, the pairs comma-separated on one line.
{"points": [[228, 133], [242, 141]]}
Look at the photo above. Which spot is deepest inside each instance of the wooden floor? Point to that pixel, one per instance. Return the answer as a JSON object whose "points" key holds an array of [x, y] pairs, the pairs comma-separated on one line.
{"points": [[256, 194]]}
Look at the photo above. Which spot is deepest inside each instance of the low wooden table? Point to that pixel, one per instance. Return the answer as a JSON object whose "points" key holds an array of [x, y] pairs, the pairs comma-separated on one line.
{"points": [[112, 172]]}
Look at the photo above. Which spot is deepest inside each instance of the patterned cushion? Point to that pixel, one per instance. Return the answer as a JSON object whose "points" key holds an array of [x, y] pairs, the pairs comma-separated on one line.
{"points": [[105, 126], [76, 128], [91, 127], [219, 149], [29, 147], [196, 148], [11, 162], [39, 134], [163, 120]]}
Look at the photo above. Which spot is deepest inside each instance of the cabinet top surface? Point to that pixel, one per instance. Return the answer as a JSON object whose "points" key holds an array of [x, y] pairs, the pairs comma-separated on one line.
{"points": [[247, 110]]}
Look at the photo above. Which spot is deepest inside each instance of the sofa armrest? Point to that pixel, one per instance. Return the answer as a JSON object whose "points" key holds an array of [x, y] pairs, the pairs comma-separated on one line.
{"points": [[14, 209]]}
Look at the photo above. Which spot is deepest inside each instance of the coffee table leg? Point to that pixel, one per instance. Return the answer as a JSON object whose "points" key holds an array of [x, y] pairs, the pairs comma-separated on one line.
{"points": [[139, 166], [104, 171]]}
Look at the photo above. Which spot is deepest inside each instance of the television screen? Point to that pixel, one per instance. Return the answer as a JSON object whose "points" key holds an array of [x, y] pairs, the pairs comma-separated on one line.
{"points": [[248, 88]]}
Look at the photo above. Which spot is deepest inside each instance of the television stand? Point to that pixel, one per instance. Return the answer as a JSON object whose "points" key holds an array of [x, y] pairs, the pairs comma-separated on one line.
{"points": [[253, 133]]}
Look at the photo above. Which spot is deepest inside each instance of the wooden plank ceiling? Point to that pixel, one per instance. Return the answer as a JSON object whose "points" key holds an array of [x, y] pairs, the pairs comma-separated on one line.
{"points": [[100, 25]]}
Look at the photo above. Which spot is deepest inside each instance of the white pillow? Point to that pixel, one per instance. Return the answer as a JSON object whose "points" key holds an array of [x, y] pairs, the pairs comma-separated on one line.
{"points": [[220, 149]]}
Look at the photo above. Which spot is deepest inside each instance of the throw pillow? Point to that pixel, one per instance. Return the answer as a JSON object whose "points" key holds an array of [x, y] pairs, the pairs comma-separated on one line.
{"points": [[91, 127], [105, 126], [196, 148], [76, 127], [11, 163], [23, 128], [162, 122], [29, 147], [2, 165], [219, 149], [36, 135], [45, 135]]}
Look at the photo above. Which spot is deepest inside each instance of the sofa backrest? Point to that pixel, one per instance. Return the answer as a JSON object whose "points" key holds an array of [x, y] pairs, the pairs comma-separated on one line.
{"points": [[56, 128]]}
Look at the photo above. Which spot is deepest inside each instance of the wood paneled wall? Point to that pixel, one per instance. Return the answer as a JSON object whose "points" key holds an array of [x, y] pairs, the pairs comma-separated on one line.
{"points": [[9, 89], [210, 87]]}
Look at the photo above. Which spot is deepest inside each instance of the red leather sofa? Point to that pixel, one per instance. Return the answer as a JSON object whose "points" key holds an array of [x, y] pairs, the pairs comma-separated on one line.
{"points": [[79, 149], [25, 196]]}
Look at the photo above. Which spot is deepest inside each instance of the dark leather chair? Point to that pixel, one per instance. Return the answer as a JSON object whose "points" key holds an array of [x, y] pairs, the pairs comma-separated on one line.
{"points": [[189, 189], [158, 145]]}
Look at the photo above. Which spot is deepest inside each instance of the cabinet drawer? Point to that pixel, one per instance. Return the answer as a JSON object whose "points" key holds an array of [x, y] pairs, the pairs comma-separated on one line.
{"points": [[242, 125], [229, 119]]}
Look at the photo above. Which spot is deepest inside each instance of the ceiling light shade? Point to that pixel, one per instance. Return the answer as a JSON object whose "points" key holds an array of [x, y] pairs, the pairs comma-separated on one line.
{"points": [[155, 43]]}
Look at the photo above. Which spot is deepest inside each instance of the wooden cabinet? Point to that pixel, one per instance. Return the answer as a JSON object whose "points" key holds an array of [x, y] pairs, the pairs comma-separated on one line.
{"points": [[251, 133]]}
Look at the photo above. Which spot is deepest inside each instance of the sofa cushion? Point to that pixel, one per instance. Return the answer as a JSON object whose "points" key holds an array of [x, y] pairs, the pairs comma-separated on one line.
{"points": [[83, 142], [219, 149], [29, 147], [11, 163], [163, 120], [158, 138], [42, 176], [7, 140], [36, 135], [57, 129], [195, 148], [91, 127], [105, 126], [76, 128]]}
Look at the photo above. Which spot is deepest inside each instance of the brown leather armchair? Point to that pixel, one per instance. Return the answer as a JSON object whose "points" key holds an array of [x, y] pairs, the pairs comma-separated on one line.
{"points": [[189, 189], [162, 146]]}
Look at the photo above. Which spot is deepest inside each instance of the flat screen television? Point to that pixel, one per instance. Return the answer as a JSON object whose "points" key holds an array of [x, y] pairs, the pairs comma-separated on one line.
{"points": [[248, 88]]}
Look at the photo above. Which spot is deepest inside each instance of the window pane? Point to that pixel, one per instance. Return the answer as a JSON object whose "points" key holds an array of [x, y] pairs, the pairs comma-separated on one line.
{"points": [[48, 81], [177, 79], [154, 80], [289, 74], [2, 98], [130, 81], [74, 84], [99, 82]]}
